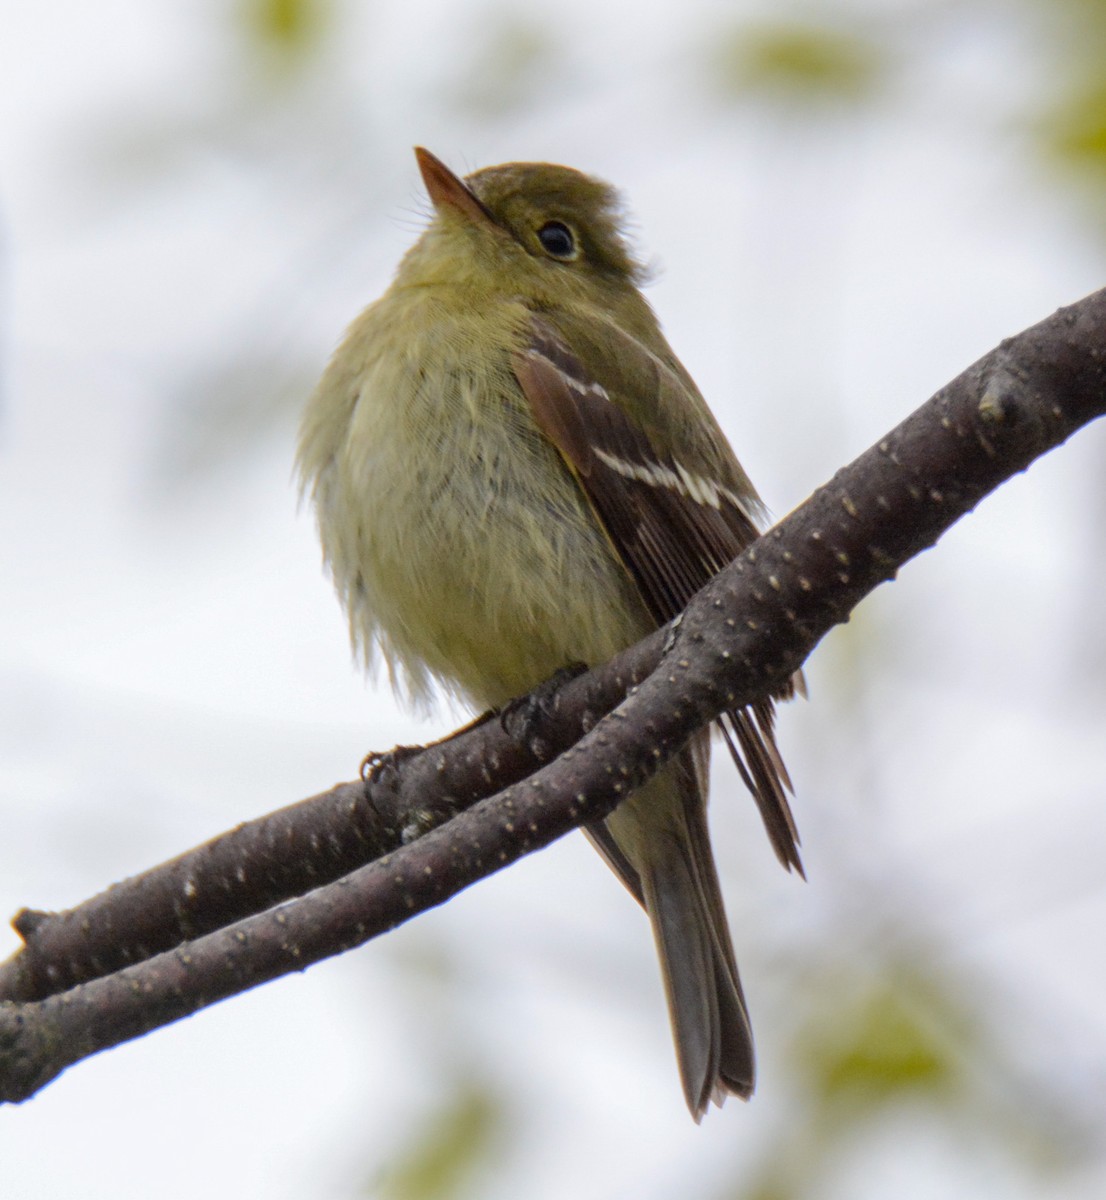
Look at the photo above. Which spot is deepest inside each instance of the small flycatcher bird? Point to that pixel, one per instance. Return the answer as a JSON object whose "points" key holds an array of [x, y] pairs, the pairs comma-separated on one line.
{"points": [[512, 472]]}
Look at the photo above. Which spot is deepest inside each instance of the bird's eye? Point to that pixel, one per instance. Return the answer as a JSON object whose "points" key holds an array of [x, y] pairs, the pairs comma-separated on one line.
{"points": [[557, 240]]}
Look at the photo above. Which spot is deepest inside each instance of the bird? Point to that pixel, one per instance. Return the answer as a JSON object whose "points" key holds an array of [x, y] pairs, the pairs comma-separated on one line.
{"points": [[512, 472]]}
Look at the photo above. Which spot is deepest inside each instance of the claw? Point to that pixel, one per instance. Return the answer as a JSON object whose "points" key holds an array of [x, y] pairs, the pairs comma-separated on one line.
{"points": [[521, 719]]}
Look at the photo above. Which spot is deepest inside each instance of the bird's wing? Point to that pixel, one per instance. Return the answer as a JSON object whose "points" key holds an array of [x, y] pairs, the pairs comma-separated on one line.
{"points": [[673, 524]]}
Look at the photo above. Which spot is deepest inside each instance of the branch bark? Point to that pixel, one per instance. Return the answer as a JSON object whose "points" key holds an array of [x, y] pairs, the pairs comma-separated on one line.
{"points": [[204, 926]]}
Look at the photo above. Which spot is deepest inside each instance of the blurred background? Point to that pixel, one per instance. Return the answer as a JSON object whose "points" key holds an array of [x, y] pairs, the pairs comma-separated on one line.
{"points": [[847, 204]]}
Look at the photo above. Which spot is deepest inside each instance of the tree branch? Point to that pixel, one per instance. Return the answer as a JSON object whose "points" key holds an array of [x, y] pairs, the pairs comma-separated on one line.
{"points": [[310, 843], [740, 638]]}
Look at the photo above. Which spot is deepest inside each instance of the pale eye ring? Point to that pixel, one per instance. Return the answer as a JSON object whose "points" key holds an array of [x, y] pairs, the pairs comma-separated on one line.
{"points": [[557, 240]]}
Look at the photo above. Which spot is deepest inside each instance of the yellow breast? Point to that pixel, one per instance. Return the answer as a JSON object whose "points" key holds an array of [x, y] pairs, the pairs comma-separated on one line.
{"points": [[460, 543]]}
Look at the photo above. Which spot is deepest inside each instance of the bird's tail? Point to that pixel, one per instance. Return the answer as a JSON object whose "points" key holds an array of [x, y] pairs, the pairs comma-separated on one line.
{"points": [[657, 842]]}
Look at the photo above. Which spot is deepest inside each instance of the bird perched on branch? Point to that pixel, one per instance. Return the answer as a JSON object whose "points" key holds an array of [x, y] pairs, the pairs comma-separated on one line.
{"points": [[512, 472]]}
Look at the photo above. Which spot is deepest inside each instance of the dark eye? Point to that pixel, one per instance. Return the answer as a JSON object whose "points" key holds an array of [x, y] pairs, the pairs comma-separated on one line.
{"points": [[557, 240]]}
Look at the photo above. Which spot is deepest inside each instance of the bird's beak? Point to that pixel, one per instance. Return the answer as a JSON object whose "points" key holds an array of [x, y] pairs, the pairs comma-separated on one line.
{"points": [[446, 190]]}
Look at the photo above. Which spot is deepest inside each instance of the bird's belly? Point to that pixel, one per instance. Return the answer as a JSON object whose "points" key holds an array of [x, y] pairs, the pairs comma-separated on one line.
{"points": [[507, 577]]}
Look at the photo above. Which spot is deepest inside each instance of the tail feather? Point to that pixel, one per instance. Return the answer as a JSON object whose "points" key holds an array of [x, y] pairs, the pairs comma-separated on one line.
{"points": [[660, 834], [714, 1043]]}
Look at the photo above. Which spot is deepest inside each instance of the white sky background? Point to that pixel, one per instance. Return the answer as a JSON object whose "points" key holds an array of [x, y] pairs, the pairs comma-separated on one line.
{"points": [[181, 245]]}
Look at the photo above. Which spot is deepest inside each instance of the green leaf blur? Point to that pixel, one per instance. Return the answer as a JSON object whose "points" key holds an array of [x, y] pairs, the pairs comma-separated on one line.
{"points": [[451, 1148], [802, 61]]}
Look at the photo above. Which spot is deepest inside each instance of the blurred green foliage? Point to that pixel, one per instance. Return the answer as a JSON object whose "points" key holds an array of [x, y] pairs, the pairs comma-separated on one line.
{"points": [[791, 59], [886, 1044], [1074, 129], [910, 1038], [1068, 112], [287, 30], [449, 1149]]}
